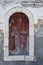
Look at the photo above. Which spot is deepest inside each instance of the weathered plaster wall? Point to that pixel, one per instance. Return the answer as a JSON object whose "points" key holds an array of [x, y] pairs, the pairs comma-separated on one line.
{"points": [[38, 13]]}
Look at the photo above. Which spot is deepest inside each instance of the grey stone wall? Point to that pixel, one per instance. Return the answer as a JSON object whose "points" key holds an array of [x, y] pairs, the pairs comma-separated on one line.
{"points": [[38, 52]]}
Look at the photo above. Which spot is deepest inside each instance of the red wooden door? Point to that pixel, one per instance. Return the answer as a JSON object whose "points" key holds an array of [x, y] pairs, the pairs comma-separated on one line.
{"points": [[18, 32]]}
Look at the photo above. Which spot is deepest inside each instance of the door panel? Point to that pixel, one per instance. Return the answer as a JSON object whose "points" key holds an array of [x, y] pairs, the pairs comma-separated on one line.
{"points": [[18, 34]]}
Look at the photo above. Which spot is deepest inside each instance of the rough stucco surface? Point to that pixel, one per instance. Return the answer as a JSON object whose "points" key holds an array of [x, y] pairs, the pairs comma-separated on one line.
{"points": [[38, 52]]}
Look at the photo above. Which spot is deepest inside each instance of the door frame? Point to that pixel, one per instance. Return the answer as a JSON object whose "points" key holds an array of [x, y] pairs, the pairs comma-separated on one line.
{"points": [[6, 36]]}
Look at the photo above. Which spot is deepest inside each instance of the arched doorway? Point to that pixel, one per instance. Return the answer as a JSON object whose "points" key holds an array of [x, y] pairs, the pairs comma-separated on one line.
{"points": [[18, 34]]}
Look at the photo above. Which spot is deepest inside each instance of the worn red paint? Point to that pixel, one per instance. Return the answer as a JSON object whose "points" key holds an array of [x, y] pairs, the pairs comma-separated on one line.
{"points": [[18, 24]]}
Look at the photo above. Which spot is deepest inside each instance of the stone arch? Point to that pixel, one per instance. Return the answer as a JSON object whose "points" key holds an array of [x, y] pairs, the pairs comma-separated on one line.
{"points": [[31, 33]]}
